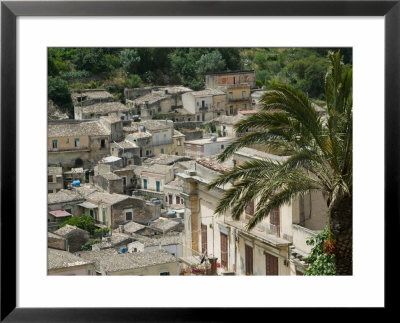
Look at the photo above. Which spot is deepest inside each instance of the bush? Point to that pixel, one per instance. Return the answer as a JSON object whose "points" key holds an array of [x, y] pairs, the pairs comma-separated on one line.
{"points": [[85, 222], [320, 262]]}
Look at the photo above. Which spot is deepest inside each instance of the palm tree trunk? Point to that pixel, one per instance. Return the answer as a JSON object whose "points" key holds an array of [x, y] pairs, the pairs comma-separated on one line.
{"points": [[341, 225]]}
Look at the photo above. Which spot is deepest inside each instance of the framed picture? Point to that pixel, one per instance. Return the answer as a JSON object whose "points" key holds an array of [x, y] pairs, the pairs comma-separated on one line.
{"points": [[28, 28]]}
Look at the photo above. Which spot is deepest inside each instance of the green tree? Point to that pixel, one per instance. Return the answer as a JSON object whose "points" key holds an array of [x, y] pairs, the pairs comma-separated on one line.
{"points": [[211, 62], [130, 60], [135, 81], [84, 222], [320, 158], [59, 92]]}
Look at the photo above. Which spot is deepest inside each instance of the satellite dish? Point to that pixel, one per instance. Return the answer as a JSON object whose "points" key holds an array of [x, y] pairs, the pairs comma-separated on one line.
{"points": [[203, 257]]}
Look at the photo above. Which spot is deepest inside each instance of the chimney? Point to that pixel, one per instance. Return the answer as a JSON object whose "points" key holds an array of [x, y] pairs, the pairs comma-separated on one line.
{"points": [[166, 91]]}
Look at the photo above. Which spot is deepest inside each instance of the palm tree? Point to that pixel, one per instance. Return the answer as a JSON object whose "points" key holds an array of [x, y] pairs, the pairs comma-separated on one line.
{"points": [[319, 150]]}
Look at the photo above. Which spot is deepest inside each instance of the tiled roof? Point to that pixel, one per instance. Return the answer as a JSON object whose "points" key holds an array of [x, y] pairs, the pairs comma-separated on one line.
{"points": [[126, 144], [60, 213], [111, 176], [57, 259], [133, 227], [92, 94], [67, 128], [63, 196], [110, 260], [171, 238], [152, 97], [105, 107], [67, 229], [156, 124], [163, 225], [115, 240], [207, 92], [107, 198], [164, 159]]}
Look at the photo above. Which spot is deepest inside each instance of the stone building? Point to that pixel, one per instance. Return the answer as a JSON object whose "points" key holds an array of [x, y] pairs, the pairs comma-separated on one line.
{"points": [[97, 110], [155, 101], [54, 179], [75, 143], [111, 210], [225, 80], [60, 262], [206, 147], [92, 96], [206, 104], [74, 236], [109, 182]]}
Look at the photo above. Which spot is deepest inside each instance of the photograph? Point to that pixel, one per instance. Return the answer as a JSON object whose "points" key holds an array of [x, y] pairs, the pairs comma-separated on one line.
{"points": [[200, 161]]}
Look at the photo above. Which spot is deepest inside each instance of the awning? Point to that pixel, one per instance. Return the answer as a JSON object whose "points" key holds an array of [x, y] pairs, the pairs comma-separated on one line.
{"points": [[60, 213], [88, 205]]}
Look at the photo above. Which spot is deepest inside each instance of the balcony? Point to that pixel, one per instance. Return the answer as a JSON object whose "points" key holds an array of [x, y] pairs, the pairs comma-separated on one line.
{"points": [[300, 236], [70, 149]]}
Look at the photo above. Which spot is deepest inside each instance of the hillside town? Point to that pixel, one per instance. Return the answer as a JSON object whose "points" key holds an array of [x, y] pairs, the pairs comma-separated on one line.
{"points": [[141, 171]]}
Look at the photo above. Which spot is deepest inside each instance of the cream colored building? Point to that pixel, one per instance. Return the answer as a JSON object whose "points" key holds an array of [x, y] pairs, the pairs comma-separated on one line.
{"points": [[75, 143], [276, 246]]}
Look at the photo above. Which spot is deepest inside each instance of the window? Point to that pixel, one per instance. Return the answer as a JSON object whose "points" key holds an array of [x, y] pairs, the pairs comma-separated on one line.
{"points": [[222, 147], [244, 106], [244, 95], [145, 184], [250, 209], [203, 238], [104, 216], [178, 200], [67, 140], [230, 95], [124, 180], [77, 142], [166, 198], [169, 199], [231, 110], [55, 144], [50, 178], [198, 118], [161, 150], [128, 215], [103, 143], [234, 80], [224, 251], [188, 150], [275, 222], [157, 186], [271, 265], [49, 191], [248, 253]]}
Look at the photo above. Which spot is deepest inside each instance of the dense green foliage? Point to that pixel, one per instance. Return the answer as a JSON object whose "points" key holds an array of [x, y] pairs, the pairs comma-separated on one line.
{"points": [[117, 68], [84, 222], [319, 262], [59, 92]]}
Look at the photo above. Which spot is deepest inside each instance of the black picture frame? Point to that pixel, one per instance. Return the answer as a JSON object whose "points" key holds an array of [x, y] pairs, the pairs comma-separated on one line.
{"points": [[10, 10]]}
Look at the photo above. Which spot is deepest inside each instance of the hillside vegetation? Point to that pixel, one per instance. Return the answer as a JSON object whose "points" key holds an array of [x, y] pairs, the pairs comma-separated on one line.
{"points": [[117, 68]]}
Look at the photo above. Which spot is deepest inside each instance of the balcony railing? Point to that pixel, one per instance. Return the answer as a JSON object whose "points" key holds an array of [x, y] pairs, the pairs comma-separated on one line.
{"points": [[56, 150]]}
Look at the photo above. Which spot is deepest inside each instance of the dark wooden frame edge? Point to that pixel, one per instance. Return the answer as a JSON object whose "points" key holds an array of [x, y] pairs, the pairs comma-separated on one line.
{"points": [[11, 10]]}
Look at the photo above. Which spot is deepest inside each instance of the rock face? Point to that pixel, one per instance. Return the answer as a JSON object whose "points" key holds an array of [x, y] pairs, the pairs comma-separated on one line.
{"points": [[54, 113]]}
